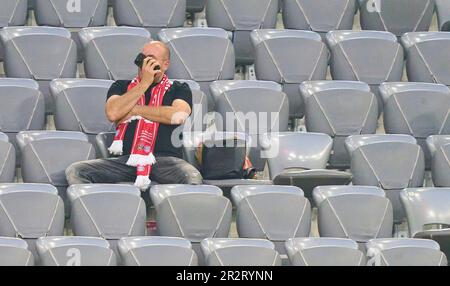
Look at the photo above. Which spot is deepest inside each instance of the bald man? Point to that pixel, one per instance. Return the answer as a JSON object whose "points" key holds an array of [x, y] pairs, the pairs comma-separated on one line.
{"points": [[121, 105]]}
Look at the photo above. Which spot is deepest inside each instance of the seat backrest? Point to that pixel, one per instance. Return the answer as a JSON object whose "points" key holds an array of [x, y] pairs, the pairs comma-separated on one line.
{"points": [[443, 14], [95, 210], [324, 251], [30, 211], [240, 252], [150, 13], [71, 14], [80, 105], [296, 150], [397, 17], [200, 54], [103, 141], [192, 212], [425, 51], [357, 212], [434, 142], [46, 155], [259, 213], [41, 53], [369, 56], [156, 251], [110, 51], [7, 160], [14, 252], [195, 6], [405, 252], [319, 15], [14, 13], [425, 207], [74, 251]]}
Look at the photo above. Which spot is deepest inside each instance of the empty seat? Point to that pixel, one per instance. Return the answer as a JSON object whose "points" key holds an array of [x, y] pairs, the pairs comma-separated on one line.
{"points": [[195, 6], [277, 58], [22, 107], [428, 216], [156, 251], [30, 211], [14, 252], [109, 52], [240, 252], [251, 107], [405, 252], [391, 162], [416, 109], [192, 140], [439, 146], [7, 160], [240, 18], [322, 251], [13, 13], [74, 251], [276, 213], [191, 212], [200, 54], [150, 14], [424, 57], [372, 57], [39, 53], [443, 14], [80, 106], [359, 213], [339, 109], [397, 17], [107, 211], [319, 16], [300, 159]]}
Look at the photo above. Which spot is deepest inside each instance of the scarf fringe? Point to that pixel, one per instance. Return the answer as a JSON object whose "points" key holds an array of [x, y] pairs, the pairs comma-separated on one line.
{"points": [[141, 160], [142, 182], [116, 147]]}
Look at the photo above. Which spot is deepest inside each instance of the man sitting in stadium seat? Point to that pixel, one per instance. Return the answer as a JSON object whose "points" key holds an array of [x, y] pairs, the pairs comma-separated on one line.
{"points": [[144, 129]]}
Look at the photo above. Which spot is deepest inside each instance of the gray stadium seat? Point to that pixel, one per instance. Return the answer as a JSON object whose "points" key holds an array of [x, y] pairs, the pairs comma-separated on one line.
{"points": [[323, 251], [103, 140], [109, 52], [443, 14], [80, 106], [107, 211], [329, 111], [14, 252], [74, 251], [191, 141], [153, 15], [391, 162], [405, 252], [416, 109], [195, 6], [359, 213], [424, 52], [191, 212], [13, 13], [319, 16], [277, 58], [240, 252], [22, 107], [30, 211], [67, 14], [439, 146], [7, 160], [39, 53], [156, 251], [259, 213], [372, 57], [240, 18], [428, 216], [200, 54], [397, 17], [251, 107], [300, 159]]}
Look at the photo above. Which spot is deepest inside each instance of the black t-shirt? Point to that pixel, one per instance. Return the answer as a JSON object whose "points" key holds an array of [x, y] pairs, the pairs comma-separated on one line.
{"points": [[163, 145]]}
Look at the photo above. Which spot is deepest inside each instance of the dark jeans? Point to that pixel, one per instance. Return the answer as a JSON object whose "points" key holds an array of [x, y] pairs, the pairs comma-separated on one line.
{"points": [[167, 170]]}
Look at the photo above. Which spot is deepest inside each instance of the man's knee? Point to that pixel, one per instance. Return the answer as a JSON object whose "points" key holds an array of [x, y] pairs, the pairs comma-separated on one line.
{"points": [[76, 174]]}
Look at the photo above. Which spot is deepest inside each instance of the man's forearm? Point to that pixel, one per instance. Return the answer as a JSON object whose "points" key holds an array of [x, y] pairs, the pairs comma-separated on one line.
{"points": [[119, 106], [168, 115]]}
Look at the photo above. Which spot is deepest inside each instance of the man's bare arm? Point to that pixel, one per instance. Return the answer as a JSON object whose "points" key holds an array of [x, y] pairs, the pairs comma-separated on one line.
{"points": [[169, 115]]}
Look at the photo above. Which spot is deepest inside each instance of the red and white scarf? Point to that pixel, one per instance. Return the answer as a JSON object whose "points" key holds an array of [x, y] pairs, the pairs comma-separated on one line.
{"points": [[145, 135]]}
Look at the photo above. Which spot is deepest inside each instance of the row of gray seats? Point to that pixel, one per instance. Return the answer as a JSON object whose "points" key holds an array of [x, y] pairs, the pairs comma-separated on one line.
{"points": [[275, 213], [174, 251]]}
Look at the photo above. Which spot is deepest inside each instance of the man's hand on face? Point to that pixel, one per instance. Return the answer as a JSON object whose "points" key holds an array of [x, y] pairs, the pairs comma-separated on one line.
{"points": [[148, 73]]}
